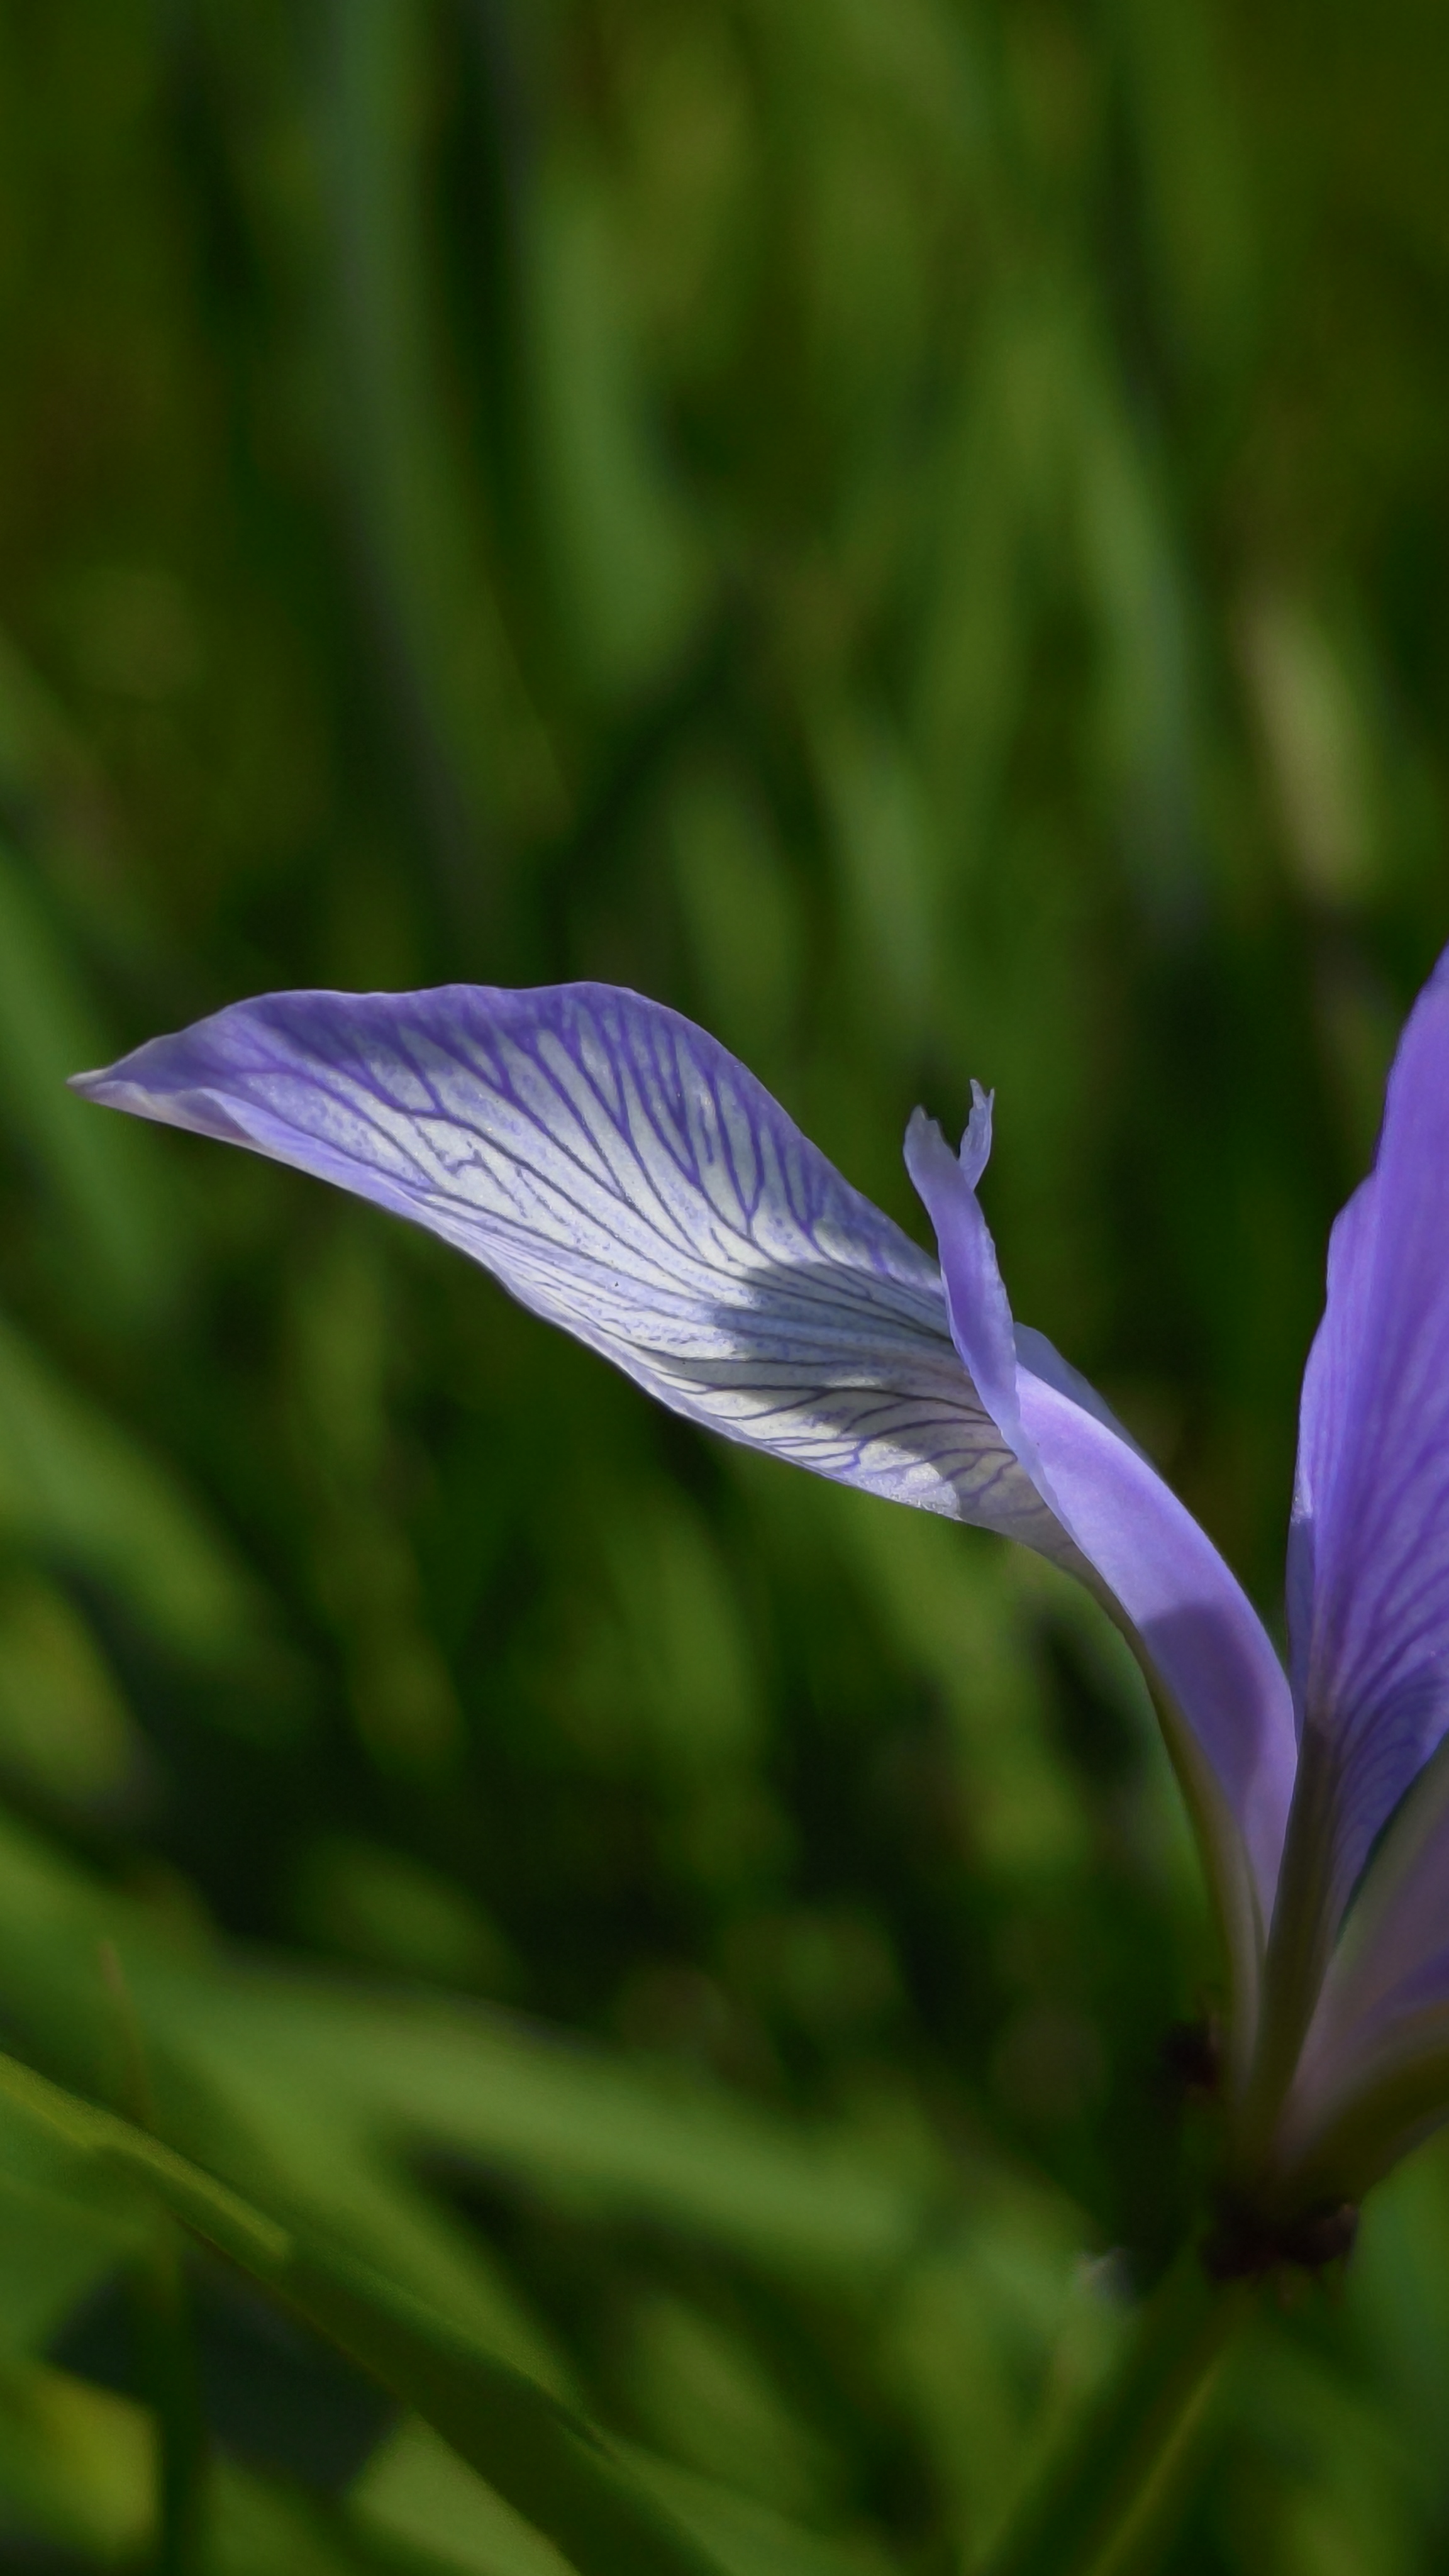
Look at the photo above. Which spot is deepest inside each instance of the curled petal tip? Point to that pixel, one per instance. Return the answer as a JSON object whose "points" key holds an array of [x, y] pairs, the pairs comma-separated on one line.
{"points": [[976, 1143], [929, 1156]]}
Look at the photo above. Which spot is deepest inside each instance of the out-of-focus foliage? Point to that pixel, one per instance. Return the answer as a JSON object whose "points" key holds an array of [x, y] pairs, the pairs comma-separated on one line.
{"points": [[918, 532]]}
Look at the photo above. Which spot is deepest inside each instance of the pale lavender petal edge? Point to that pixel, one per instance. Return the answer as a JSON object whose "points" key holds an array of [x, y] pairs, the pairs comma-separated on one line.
{"points": [[1201, 1633], [1199, 1629]]}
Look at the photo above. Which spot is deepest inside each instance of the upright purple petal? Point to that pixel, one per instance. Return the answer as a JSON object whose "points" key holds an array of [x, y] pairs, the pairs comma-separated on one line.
{"points": [[1369, 1564], [623, 1176], [1325, 1382], [1199, 1631]]}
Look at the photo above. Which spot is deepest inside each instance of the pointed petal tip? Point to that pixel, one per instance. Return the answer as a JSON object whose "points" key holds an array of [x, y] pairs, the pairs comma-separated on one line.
{"points": [[114, 1086], [924, 1147]]}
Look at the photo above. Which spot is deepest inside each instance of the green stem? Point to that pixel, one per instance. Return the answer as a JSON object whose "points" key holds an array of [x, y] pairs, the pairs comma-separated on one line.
{"points": [[1117, 2467]]}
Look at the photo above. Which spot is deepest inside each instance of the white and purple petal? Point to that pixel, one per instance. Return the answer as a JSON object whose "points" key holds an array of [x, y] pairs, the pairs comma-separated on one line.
{"points": [[625, 1177]]}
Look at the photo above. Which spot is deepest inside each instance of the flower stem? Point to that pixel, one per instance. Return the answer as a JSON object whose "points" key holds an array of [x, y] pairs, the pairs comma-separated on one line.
{"points": [[1114, 2475]]}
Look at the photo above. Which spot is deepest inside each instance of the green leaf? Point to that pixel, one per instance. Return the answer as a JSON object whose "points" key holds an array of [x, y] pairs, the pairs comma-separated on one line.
{"points": [[416, 2491], [1115, 2470], [747, 2538], [547, 2462], [317, 2100], [77, 2465], [64, 2225], [78, 2470], [628, 560], [81, 1491], [578, 2123], [327, 2084], [63, 1723], [226, 2087], [110, 1184], [470, 712], [544, 2459]]}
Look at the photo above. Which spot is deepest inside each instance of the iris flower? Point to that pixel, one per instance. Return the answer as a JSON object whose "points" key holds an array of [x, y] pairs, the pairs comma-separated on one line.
{"points": [[621, 1174]]}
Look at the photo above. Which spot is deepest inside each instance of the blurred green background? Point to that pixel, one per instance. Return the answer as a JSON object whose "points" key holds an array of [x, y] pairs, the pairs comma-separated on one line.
{"points": [[916, 531]]}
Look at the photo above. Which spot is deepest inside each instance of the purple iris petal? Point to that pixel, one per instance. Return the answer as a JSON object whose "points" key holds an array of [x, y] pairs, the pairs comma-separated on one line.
{"points": [[1384, 2007], [1369, 1565], [622, 1175], [625, 1177], [1200, 1631]]}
